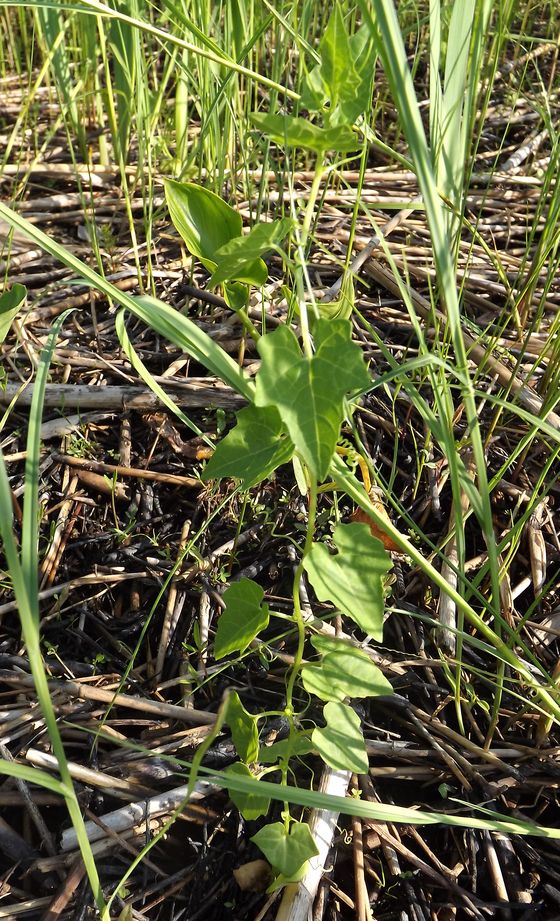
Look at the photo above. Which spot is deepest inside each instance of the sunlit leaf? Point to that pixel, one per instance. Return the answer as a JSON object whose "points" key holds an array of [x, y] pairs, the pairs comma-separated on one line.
{"points": [[286, 851], [240, 258], [11, 302], [244, 729], [352, 578], [289, 131], [337, 64], [309, 392], [341, 743], [295, 748], [344, 672], [203, 219]]}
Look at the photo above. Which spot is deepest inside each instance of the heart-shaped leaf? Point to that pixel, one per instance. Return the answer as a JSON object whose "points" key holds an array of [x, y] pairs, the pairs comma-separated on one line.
{"points": [[353, 578], [341, 743], [253, 449], [346, 672], [244, 729], [243, 618], [241, 257], [286, 851], [204, 220], [309, 392]]}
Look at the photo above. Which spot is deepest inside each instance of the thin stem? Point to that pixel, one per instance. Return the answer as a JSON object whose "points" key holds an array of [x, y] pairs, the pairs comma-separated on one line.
{"points": [[302, 247]]}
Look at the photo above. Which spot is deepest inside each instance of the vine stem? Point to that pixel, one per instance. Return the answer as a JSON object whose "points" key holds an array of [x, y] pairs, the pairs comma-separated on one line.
{"points": [[302, 245], [300, 625]]}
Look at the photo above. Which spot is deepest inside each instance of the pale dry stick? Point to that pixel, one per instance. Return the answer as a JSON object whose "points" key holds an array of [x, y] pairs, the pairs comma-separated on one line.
{"points": [[195, 393], [390, 837], [510, 866], [114, 786], [297, 900], [413, 832], [446, 632], [172, 609], [125, 442], [59, 901], [362, 257], [537, 547], [47, 569], [462, 742], [64, 589], [496, 875], [204, 616], [57, 428], [360, 887], [106, 845], [476, 353], [138, 473], [508, 66], [506, 593], [138, 813], [29, 347], [23, 907], [525, 150], [102, 695]]}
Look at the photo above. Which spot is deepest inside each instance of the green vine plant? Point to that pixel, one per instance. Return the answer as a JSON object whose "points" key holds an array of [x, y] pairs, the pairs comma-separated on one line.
{"points": [[301, 396]]}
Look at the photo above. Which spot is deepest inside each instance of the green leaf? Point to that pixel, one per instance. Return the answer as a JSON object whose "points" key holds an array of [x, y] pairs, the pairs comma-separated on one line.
{"points": [[235, 294], [243, 618], [244, 729], [346, 672], [299, 746], [11, 301], [314, 94], [355, 97], [286, 852], [337, 68], [309, 392], [241, 258], [253, 449], [341, 743], [352, 579], [250, 805], [203, 219], [289, 131], [342, 308]]}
